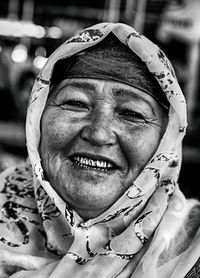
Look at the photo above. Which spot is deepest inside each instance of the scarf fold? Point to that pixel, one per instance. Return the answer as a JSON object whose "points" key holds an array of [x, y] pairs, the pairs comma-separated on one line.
{"points": [[127, 240]]}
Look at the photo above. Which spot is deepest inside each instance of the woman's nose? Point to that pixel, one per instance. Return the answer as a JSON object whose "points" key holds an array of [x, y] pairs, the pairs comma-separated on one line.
{"points": [[99, 131]]}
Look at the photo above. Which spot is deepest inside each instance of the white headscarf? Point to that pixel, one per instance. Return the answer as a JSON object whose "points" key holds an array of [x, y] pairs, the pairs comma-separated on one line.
{"points": [[149, 214]]}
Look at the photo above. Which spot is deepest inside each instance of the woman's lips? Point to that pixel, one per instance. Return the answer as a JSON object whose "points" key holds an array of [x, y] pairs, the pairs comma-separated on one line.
{"points": [[95, 164]]}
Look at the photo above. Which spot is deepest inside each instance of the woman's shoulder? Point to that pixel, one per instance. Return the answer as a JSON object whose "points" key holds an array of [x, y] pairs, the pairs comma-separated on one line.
{"points": [[192, 221], [184, 247], [17, 181], [19, 215], [191, 226], [16, 189]]}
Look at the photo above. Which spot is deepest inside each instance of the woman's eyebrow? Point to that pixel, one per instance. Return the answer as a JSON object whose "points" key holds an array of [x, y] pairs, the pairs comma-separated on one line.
{"points": [[76, 85], [83, 85], [124, 93], [121, 93]]}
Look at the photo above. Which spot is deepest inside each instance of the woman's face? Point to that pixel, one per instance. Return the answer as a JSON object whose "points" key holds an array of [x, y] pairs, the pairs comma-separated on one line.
{"points": [[96, 137]]}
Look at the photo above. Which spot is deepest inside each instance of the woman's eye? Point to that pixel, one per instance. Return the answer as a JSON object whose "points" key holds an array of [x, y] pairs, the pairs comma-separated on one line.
{"points": [[133, 116], [74, 104]]}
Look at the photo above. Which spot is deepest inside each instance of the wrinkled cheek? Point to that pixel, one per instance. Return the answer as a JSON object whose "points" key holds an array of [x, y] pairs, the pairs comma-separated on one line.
{"points": [[57, 135], [149, 147], [139, 149]]}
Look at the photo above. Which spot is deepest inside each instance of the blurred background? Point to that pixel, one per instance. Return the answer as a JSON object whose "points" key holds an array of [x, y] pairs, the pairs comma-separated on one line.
{"points": [[30, 30]]}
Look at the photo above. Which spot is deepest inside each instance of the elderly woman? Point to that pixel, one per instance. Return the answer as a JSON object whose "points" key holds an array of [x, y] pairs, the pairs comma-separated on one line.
{"points": [[100, 197]]}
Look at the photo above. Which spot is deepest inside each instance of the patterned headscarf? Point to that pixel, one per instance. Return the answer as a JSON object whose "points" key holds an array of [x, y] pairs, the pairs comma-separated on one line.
{"points": [[41, 236]]}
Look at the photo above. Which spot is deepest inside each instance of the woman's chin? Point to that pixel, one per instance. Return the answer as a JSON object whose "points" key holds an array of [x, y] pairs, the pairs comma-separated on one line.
{"points": [[88, 190], [90, 206], [90, 213]]}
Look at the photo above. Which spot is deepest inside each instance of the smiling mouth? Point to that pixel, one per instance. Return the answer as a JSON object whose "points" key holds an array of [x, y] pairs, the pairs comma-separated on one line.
{"points": [[96, 164]]}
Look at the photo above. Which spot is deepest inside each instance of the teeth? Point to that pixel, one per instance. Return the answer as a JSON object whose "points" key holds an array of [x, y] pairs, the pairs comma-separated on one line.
{"points": [[92, 163], [98, 164], [82, 160]]}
